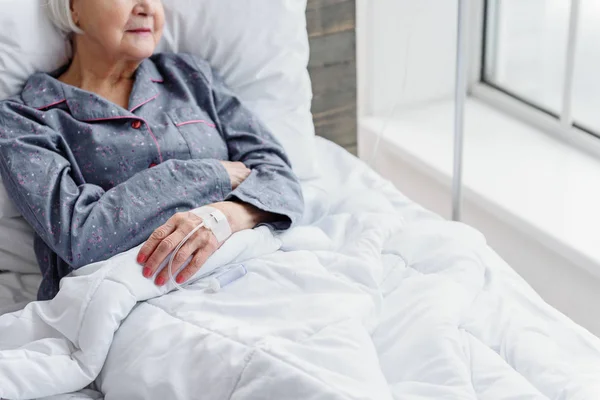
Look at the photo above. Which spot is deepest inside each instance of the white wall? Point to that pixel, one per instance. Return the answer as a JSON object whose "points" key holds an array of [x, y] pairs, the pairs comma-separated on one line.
{"points": [[406, 52]]}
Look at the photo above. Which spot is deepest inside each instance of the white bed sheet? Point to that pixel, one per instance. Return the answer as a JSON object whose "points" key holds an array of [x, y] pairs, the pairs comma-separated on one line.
{"points": [[374, 298]]}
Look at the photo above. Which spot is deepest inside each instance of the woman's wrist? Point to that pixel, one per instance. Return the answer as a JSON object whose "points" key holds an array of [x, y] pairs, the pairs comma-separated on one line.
{"points": [[243, 215]]}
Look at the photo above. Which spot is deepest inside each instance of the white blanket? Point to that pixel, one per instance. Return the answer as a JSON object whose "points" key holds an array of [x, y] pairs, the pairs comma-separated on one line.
{"points": [[372, 298]]}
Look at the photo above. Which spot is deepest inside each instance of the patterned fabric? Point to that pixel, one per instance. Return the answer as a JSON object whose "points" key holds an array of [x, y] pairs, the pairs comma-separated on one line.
{"points": [[94, 179]]}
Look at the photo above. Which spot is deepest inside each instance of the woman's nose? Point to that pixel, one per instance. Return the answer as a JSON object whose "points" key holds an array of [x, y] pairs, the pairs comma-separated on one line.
{"points": [[144, 7]]}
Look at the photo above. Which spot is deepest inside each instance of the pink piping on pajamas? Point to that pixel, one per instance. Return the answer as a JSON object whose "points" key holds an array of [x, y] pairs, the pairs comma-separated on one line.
{"points": [[52, 104], [139, 105], [195, 121]]}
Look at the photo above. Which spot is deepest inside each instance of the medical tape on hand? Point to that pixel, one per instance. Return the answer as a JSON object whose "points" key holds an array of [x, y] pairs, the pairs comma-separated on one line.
{"points": [[213, 220]]}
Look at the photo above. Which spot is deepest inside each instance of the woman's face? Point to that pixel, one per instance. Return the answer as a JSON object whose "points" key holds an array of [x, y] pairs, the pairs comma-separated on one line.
{"points": [[124, 29]]}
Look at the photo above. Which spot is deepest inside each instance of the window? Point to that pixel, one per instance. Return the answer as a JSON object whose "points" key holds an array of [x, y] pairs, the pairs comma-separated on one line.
{"points": [[586, 83], [546, 54]]}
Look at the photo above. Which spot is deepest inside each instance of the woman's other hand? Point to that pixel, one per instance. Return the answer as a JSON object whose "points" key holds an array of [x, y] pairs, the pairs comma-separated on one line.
{"points": [[237, 171]]}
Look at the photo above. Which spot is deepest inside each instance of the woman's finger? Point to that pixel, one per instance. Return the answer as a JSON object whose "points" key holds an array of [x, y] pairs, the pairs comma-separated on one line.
{"points": [[203, 253], [193, 244], [161, 252], [160, 234]]}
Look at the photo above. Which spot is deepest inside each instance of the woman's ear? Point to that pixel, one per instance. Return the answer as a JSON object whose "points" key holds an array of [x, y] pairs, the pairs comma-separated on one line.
{"points": [[74, 13]]}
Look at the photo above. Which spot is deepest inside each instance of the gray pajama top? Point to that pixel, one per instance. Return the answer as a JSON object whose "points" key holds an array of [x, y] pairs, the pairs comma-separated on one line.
{"points": [[94, 179]]}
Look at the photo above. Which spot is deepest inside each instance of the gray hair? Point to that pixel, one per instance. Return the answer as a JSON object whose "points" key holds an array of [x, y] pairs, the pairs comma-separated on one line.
{"points": [[59, 12]]}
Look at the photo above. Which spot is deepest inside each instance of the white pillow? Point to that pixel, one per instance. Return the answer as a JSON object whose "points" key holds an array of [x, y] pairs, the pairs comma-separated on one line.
{"points": [[28, 43], [259, 47], [16, 247]]}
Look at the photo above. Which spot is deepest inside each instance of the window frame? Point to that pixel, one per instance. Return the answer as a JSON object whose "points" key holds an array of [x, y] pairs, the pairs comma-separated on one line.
{"points": [[560, 126]]}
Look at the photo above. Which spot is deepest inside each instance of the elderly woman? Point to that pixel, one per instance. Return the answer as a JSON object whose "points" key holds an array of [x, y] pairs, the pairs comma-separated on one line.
{"points": [[115, 148]]}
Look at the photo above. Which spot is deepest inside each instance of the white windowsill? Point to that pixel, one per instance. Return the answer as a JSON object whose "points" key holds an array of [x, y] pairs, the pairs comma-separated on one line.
{"points": [[542, 186]]}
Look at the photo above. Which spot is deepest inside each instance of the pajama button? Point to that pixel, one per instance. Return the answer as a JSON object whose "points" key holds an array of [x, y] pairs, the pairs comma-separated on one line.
{"points": [[136, 124]]}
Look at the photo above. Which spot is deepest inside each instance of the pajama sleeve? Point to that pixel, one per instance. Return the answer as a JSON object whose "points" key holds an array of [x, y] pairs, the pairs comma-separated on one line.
{"points": [[272, 185]]}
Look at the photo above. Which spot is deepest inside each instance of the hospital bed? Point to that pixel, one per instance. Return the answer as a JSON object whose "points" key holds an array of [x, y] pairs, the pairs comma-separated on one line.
{"points": [[418, 308], [370, 297]]}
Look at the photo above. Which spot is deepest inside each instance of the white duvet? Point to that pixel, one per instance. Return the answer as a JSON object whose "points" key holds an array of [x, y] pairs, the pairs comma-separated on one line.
{"points": [[372, 298]]}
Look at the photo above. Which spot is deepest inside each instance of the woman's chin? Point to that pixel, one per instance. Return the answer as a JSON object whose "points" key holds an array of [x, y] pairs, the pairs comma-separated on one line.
{"points": [[140, 49], [140, 53]]}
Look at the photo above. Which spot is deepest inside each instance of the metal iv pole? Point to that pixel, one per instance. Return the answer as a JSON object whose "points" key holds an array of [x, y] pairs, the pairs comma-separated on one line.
{"points": [[459, 114]]}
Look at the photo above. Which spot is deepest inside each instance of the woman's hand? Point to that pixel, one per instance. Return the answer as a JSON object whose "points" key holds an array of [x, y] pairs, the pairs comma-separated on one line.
{"points": [[237, 171], [200, 246], [166, 238]]}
